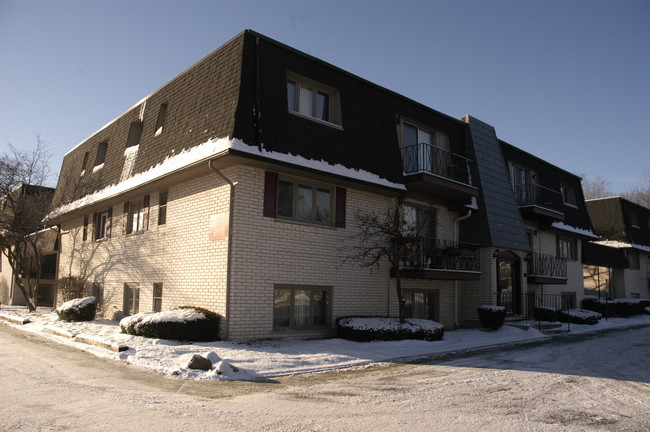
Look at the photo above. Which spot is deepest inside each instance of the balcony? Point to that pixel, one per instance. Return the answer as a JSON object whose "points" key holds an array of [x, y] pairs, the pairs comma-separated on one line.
{"points": [[433, 171], [441, 259], [539, 203], [546, 269]]}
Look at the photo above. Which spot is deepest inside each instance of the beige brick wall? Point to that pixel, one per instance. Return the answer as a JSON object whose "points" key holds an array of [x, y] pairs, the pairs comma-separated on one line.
{"points": [[179, 253]]}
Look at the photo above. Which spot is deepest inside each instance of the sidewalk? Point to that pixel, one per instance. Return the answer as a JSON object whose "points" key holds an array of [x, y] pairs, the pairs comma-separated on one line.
{"points": [[272, 358]]}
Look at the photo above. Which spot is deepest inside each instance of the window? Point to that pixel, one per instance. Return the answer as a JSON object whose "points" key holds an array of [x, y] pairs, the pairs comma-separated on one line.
{"points": [[135, 222], [131, 301], [633, 262], [162, 208], [634, 220], [569, 196], [313, 100], [136, 214], [635, 295], [422, 304], [157, 297], [424, 149], [102, 224], [304, 202], [97, 290], [84, 164], [420, 221], [101, 155], [567, 248], [135, 134], [162, 116], [301, 306], [301, 201]]}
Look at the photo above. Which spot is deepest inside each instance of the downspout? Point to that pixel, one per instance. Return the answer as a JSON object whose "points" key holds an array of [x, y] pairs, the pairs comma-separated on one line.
{"points": [[256, 96], [457, 222], [229, 251]]}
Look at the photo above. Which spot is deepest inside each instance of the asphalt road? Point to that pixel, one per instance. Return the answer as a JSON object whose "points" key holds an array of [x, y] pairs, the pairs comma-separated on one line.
{"points": [[596, 382]]}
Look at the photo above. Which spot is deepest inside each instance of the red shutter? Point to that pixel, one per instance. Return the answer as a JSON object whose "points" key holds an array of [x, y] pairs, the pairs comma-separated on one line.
{"points": [[270, 194], [109, 222], [126, 218], [145, 212], [339, 221]]}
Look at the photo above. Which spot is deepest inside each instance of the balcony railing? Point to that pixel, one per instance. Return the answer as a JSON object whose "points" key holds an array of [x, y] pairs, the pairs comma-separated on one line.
{"points": [[429, 159], [535, 195], [438, 254], [549, 266]]}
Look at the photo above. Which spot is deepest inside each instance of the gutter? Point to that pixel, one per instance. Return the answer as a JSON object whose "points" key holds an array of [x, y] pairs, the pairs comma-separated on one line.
{"points": [[229, 251]]}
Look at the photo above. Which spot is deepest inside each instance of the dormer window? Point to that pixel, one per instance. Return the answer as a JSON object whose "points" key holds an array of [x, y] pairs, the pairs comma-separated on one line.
{"points": [[101, 156], [314, 100], [135, 134], [569, 196]]}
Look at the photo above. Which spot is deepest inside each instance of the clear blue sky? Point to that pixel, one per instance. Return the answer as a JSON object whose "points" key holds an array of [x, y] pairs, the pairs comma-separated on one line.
{"points": [[566, 80]]}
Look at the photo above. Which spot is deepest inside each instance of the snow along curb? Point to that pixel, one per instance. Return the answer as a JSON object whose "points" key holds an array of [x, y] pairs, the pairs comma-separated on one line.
{"points": [[14, 319], [90, 340], [466, 352], [59, 331]]}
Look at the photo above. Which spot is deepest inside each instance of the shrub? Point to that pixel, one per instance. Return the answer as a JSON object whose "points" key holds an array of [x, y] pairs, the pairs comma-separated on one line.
{"points": [[71, 287], [81, 309], [629, 307], [542, 313], [184, 323], [365, 329], [579, 316], [606, 308], [492, 317]]}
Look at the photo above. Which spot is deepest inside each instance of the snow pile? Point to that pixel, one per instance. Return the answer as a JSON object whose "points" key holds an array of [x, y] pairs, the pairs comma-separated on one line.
{"points": [[173, 315], [493, 308], [582, 313], [76, 304]]}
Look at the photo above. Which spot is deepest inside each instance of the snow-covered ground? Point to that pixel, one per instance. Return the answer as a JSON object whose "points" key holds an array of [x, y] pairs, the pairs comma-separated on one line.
{"points": [[271, 358]]}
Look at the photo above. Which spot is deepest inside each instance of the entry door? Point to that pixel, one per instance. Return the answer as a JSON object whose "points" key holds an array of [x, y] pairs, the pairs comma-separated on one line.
{"points": [[509, 283]]}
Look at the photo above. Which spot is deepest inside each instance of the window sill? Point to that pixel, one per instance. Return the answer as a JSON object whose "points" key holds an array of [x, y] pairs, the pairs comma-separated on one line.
{"points": [[303, 223], [317, 120]]}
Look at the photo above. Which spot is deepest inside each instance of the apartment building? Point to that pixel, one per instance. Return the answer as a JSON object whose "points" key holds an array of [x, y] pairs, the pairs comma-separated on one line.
{"points": [[237, 186]]}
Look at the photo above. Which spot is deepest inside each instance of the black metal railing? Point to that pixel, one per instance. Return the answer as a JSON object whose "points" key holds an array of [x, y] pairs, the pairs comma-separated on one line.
{"points": [[439, 254], [536, 195], [547, 266], [433, 160], [524, 305]]}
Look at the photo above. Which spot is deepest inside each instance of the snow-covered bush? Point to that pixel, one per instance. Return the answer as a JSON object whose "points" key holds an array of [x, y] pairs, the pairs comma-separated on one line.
{"points": [[492, 317], [183, 323], [81, 309], [602, 306], [630, 307], [579, 316], [544, 313], [365, 329]]}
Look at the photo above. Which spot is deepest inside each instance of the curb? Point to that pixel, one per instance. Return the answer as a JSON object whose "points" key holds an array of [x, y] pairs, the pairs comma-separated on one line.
{"points": [[14, 319]]}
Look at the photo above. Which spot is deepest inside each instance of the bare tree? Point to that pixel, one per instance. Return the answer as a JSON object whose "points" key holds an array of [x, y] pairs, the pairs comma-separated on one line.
{"points": [[25, 201], [598, 187], [384, 236], [640, 194]]}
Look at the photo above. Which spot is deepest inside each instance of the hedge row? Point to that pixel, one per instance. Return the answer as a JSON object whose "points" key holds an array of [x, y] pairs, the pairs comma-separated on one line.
{"points": [[365, 329], [619, 307], [186, 323]]}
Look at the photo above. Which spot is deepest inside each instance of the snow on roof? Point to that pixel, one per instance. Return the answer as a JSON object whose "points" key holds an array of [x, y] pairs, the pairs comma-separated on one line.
{"points": [[202, 153], [569, 228], [623, 245]]}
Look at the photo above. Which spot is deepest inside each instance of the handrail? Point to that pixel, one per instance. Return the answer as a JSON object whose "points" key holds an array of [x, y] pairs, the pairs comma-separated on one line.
{"points": [[533, 194], [430, 159], [547, 265], [439, 254]]}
